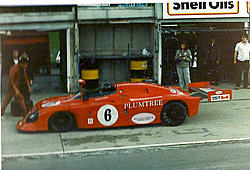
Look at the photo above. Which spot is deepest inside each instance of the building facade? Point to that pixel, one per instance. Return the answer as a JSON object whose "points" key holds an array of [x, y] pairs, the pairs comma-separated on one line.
{"points": [[104, 43], [197, 23]]}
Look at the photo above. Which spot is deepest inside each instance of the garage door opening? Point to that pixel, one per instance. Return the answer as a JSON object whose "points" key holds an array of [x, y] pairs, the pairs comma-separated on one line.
{"points": [[46, 58], [198, 36]]}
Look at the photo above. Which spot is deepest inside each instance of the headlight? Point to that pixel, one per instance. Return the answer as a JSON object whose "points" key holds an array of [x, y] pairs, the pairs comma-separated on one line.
{"points": [[20, 123], [51, 104], [33, 117]]}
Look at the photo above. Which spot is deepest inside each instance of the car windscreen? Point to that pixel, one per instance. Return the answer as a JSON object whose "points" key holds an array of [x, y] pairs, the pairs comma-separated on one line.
{"points": [[101, 91]]}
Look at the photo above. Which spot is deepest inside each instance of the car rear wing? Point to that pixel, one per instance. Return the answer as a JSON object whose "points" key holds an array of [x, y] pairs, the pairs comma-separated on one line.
{"points": [[212, 93]]}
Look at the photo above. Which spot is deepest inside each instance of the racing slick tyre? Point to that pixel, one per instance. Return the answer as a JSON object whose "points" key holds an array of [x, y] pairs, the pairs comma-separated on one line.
{"points": [[29, 104], [61, 122], [174, 113], [16, 109]]}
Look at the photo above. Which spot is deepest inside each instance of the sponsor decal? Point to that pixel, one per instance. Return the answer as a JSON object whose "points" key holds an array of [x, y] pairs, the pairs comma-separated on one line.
{"points": [[102, 98], [143, 118], [90, 121], [146, 98], [51, 104], [248, 5], [175, 91], [206, 89], [220, 97], [107, 115], [143, 104], [218, 92]]}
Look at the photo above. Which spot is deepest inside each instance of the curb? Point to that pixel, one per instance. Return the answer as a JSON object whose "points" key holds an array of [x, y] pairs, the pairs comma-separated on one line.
{"points": [[220, 141]]}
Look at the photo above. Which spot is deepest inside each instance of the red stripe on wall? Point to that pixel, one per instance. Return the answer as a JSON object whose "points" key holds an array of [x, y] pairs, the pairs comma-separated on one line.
{"points": [[25, 41]]}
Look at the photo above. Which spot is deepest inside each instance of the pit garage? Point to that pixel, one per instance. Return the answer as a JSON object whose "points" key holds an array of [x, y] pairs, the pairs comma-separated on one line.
{"points": [[197, 23], [45, 34], [198, 36]]}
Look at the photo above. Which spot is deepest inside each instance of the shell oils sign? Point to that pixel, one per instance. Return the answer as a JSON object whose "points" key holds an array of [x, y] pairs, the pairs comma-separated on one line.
{"points": [[178, 9], [248, 7]]}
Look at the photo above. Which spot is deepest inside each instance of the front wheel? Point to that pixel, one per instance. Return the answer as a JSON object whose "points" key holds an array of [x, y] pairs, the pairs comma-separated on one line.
{"points": [[61, 122], [174, 113]]}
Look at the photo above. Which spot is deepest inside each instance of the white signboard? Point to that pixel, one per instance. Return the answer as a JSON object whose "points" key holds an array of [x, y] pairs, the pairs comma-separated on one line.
{"points": [[223, 97], [178, 9]]}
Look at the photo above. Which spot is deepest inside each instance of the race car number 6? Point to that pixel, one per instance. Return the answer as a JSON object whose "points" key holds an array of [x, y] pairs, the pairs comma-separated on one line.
{"points": [[107, 115]]}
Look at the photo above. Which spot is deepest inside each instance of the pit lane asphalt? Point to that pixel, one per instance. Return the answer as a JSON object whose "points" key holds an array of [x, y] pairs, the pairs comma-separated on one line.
{"points": [[214, 156], [215, 123]]}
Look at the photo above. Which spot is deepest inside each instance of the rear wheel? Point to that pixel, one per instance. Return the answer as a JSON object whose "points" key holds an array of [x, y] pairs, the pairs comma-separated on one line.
{"points": [[61, 122], [174, 113]]}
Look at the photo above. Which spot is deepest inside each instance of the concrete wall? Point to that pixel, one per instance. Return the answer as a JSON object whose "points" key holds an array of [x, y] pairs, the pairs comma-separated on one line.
{"points": [[113, 39], [12, 18], [97, 13], [109, 43]]}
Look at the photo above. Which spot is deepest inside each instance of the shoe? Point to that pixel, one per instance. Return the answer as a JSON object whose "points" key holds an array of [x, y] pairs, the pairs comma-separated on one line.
{"points": [[237, 88]]}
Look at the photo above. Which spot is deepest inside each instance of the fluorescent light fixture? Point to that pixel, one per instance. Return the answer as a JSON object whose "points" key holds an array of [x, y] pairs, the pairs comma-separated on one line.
{"points": [[172, 25]]}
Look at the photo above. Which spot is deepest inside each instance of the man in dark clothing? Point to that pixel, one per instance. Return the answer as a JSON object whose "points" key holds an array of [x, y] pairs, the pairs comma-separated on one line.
{"points": [[14, 58], [18, 86], [29, 68], [212, 61]]}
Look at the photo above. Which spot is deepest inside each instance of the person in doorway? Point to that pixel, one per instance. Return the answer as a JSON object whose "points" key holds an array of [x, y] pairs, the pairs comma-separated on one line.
{"points": [[15, 61], [183, 58], [212, 61], [241, 60], [29, 68], [18, 85]]}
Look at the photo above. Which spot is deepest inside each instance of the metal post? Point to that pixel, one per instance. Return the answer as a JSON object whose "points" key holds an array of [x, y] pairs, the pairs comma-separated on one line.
{"points": [[159, 54], [76, 63], [128, 64], [68, 59]]}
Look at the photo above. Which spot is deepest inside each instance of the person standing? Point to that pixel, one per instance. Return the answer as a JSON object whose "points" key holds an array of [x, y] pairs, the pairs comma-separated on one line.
{"points": [[183, 58], [15, 61], [18, 85], [212, 61], [241, 60], [29, 68]]}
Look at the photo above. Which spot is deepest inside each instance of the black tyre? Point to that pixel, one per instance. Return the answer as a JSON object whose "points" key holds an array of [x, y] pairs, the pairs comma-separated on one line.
{"points": [[174, 113], [61, 122], [16, 110], [29, 104]]}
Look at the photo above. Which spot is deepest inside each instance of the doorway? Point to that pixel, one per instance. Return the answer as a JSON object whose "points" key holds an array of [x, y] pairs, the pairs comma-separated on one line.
{"points": [[197, 36]]}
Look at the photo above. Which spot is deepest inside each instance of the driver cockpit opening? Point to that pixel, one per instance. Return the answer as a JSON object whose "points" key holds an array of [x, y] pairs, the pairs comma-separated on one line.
{"points": [[104, 90]]}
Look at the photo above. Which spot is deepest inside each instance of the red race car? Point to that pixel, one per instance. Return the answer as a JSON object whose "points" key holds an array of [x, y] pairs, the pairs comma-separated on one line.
{"points": [[122, 104]]}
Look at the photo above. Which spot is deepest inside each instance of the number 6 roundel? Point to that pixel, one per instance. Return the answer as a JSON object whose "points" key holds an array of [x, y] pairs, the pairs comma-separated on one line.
{"points": [[107, 115]]}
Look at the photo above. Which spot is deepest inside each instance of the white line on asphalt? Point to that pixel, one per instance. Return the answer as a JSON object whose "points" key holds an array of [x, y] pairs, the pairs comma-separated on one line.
{"points": [[31, 154], [121, 148]]}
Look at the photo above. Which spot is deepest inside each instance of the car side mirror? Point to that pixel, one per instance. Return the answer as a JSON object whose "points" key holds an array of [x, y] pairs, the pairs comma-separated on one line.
{"points": [[82, 83]]}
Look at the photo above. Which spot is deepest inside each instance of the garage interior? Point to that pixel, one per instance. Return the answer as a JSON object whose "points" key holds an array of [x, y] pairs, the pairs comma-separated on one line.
{"points": [[198, 36], [42, 49], [109, 48]]}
